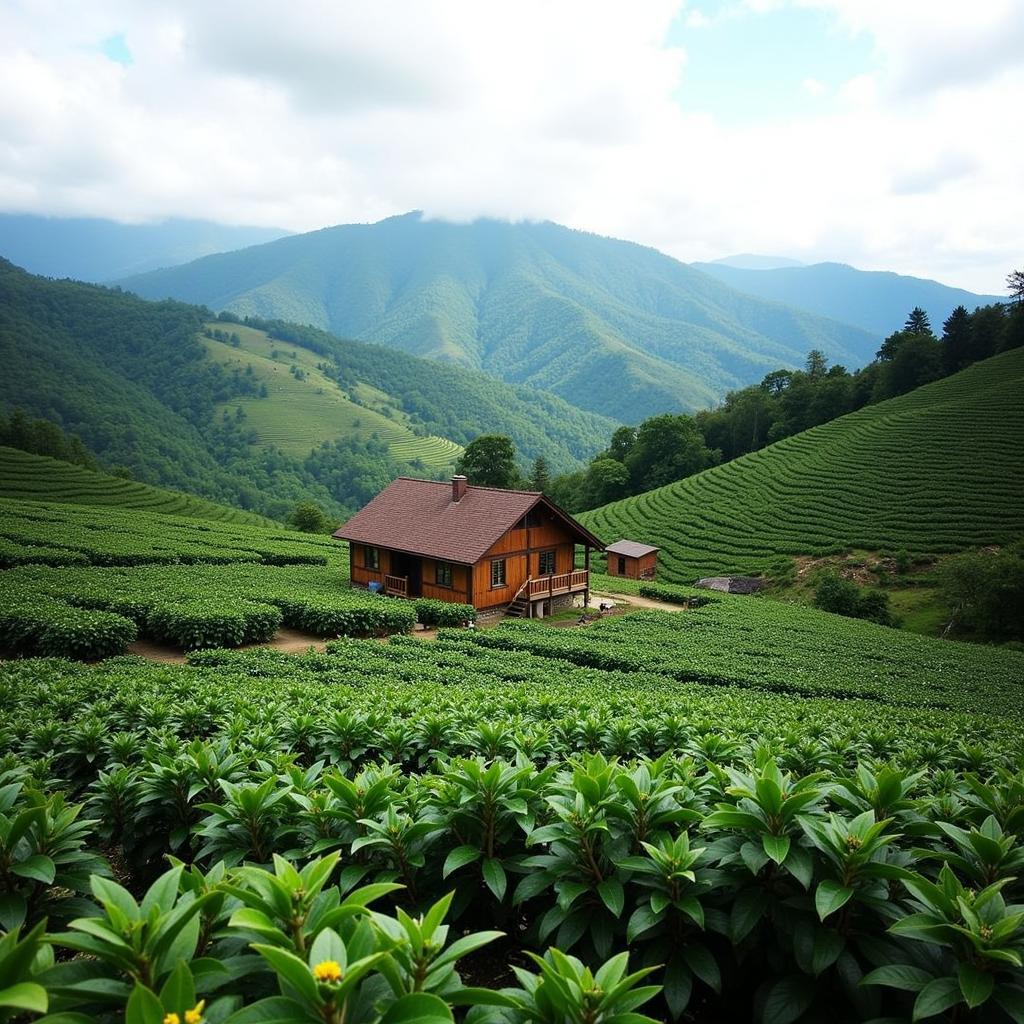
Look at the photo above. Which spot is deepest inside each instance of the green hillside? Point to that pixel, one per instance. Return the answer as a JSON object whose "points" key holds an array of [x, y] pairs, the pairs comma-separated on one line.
{"points": [[610, 326], [144, 387], [304, 407], [39, 478], [933, 471]]}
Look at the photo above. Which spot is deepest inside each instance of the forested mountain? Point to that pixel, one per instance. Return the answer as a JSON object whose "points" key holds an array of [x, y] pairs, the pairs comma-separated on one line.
{"points": [[872, 300], [92, 249], [609, 325], [150, 387]]}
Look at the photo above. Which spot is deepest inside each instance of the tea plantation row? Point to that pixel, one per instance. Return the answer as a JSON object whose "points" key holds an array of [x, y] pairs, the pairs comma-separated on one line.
{"points": [[935, 470], [768, 856], [39, 478]]}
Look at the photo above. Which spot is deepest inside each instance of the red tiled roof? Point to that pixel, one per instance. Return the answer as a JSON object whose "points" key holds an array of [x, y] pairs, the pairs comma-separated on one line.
{"points": [[630, 548], [420, 517]]}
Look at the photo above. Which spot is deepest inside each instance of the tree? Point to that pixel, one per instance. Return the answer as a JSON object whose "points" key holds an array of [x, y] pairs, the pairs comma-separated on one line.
{"points": [[540, 475], [621, 444], [777, 381], [309, 518], [490, 461], [668, 448], [956, 340], [605, 480], [918, 322], [817, 364], [1015, 285]]}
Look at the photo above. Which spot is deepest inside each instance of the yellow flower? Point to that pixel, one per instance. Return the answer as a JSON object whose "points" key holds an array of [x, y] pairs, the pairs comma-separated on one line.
{"points": [[172, 1018], [327, 970], [195, 1015]]}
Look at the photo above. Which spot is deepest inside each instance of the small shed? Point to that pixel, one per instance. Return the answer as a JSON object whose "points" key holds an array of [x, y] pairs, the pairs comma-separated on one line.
{"points": [[633, 560]]}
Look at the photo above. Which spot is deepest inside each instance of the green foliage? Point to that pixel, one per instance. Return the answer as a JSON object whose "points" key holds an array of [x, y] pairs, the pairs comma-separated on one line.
{"points": [[900, 474], [686, 597], [985, 592], [309, 518], [41, 437], [836, 594], [490, 461], [442, 613]]}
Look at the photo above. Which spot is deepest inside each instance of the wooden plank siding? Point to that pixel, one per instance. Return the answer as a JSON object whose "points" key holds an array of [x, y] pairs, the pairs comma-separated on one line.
{"points": [[643, 568]]}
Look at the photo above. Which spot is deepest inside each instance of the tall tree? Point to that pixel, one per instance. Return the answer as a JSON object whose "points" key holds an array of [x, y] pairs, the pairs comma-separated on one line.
{"points": [[956, 340], [918, 322], [490, 461], [817, 364], [540, 475], [1015, 285]]}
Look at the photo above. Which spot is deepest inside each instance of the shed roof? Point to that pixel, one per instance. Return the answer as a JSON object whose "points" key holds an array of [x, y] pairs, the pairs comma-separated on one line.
{"points": [[630, 548], [420, 517]]}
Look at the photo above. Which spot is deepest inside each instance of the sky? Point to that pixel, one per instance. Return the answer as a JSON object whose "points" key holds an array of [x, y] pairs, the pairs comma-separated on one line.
{"points": [[880, 133]]}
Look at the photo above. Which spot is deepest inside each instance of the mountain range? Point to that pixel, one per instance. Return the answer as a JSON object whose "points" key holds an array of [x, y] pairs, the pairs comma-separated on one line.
{"points": [[611, 326], [93, 249], [875, 301]]}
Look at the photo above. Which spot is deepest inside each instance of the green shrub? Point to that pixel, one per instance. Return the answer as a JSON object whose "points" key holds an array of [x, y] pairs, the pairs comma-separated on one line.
{"points": [[844, 597], [443, 613], [198, 623], [349, 616], [84, 633]]}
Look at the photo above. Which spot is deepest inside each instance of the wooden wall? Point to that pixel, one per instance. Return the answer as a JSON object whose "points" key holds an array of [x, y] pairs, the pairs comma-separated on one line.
{"points": [[635, 567], [456, 592]]}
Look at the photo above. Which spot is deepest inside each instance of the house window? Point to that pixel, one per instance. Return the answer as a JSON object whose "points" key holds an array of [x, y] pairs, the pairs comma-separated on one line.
{"points": [[498, 572], [443, 574], [547, 563], [371, 558]]}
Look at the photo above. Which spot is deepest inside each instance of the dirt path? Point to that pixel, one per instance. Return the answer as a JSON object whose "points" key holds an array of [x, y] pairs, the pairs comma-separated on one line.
{"points": [[633, 601], [290, 641]]}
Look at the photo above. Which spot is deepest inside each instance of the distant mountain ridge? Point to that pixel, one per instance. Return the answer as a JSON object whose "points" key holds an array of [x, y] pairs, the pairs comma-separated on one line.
{"points": [[609, 325], [755, 261], [874, 300], [97, 250]]}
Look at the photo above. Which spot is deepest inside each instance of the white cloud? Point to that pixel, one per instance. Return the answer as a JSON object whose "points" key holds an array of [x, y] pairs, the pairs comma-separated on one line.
{"points": [[347, 112]]}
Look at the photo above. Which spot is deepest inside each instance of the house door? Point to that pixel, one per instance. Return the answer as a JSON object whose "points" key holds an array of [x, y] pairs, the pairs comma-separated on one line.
{"points": [[622, 565], [411, 568]]}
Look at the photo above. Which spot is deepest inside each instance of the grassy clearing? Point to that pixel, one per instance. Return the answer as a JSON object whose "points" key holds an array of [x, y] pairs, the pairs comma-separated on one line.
{"points": [[305, 407]]}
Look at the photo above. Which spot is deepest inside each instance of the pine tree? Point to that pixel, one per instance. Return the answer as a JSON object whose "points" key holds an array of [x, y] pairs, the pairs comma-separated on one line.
{"points": [[956, 340], [540, 476], [918, 322]]}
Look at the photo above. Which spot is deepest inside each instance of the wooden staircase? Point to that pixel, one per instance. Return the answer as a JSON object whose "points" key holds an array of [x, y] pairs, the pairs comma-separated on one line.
{"points": [[519, 606]]}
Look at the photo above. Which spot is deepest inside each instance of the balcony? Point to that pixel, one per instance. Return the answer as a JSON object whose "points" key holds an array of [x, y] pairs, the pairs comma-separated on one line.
{"points": [[562, 583]]}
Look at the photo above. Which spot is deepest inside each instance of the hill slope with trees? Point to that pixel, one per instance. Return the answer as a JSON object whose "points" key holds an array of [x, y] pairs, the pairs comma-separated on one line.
{"points": [[137, 383], [609, 325], [936, 470]]}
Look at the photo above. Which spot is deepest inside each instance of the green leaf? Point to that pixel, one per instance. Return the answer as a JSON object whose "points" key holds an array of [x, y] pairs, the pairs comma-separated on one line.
{"points": [[612, 895], [418, 1008], [830, 897], [143, 1007], [291, 970], [179, 991], [699, 959], [975, 985], [458, 858], [901, 976], [777, 847], [26, 995], [38, 867], [275, 1010], [937, 997], [787, 1000], [494, 876]]}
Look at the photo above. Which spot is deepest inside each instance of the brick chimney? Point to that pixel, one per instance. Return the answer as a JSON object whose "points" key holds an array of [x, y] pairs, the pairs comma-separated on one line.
{"points": [[459, 484]]}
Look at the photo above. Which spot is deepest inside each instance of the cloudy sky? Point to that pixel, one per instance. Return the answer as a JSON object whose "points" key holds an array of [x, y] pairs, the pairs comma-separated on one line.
{"points": [[882, 133]]}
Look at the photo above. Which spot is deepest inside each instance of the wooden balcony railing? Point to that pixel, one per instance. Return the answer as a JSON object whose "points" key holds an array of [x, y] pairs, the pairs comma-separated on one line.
{"points": [[396, 586], [560, 583]]}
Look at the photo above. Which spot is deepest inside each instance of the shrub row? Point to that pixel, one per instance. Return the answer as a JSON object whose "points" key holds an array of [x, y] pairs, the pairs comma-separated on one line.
{"points": [[58, 630], [443, 613]]}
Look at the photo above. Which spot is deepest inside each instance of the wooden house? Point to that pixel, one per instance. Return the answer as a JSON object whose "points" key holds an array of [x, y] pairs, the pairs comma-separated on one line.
{"points": [[482, 546], [633, 560]]}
